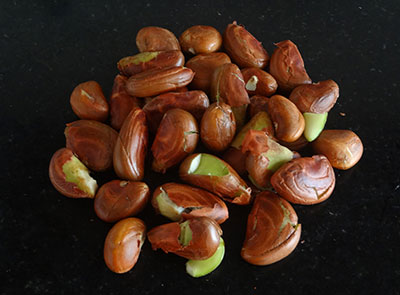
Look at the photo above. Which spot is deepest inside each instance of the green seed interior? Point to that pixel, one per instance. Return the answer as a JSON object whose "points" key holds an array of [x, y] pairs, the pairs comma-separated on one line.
{"points": [[77, 173], [286, 218], [186, 233], [277, 155], [315, 123], [199, 268], [168, 208], [205, 164]]}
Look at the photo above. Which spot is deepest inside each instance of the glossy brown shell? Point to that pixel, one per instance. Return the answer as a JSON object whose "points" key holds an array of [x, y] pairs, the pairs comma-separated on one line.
{"points": [[204, 66], [176, 137], [231, 187], [315, 98], [228, 86], [257, 104], [156, 81], [266, 84], [195, 201], [156, 39], [118, 199], [343, 148], [244, 49], [218, 127], [88, 102], [272, 231], [305, 181], [288, 121], [236, 159], [287, 66], [200, 39], [130, 65], [255, 142], [206, 235], [123, 244], [131, 146], [93, 142], [121, 103], [296, 145], [257, 167], [182, 89], [195, 102]]}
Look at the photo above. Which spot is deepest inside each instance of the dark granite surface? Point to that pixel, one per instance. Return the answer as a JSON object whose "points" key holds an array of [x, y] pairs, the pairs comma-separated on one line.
{"points": [[53, 245]]}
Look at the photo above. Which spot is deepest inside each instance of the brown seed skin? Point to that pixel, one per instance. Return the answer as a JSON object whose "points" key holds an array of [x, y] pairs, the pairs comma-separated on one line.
{"points": [[195, 102], [244, 49], [305, 181], [266, 85], [182, 89], [204, 66], [156, 39], [200, 39], [287, 66], [93, 142], [156, 81], [236, 159], [257, 167], [218, 127], [228, 86], [343, 148], [118, 199], [121, 103], [132, 65], [288, 121], [88, 102], [230, 187], [57, 176], [195, 201], [296, 145], [123, 244], [272, 231], [131, 146], [206, 235], [255, 144], [176, 137], [257, 104], [317, 98]]}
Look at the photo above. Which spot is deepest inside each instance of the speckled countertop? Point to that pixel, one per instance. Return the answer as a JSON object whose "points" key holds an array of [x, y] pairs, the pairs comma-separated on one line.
{"points": [[53, 245]]}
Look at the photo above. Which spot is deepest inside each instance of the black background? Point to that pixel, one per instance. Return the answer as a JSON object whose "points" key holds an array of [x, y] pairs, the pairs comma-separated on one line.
{"points": [[52, 244]]}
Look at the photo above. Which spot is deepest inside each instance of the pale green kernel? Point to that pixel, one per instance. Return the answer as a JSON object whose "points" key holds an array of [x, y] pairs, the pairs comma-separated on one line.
{"points": [[199, 268], [77, 173]]}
